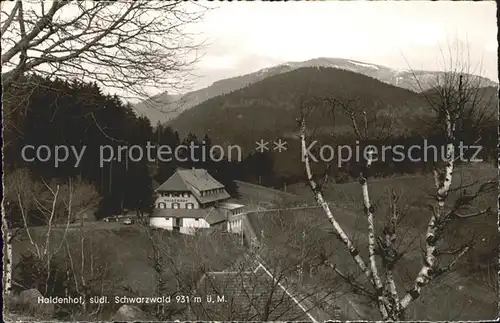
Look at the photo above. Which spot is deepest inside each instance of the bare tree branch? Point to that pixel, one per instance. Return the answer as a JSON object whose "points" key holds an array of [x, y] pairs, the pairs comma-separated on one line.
{"points": [[132, 47]]}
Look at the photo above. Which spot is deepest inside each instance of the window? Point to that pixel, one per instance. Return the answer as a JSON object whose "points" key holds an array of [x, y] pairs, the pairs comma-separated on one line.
{"points": [[189, 205], [175, 205], [196, 219], [162, 205], [186, 194]]}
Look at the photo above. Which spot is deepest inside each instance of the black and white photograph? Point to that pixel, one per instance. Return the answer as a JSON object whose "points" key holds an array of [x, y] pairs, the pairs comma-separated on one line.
{"points": [[269, 161]]}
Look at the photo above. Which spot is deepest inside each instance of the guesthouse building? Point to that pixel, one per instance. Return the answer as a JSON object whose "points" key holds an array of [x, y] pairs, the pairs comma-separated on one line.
{"points": [[192, 199]]}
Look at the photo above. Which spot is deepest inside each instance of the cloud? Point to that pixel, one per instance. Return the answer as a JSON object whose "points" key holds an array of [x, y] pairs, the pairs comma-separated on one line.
{"points": [[248, 36], [218, 62]]}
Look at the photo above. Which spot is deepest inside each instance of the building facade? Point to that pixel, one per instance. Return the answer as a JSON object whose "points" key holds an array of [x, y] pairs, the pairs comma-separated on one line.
{"points": [[235, 216], [192, 199]]}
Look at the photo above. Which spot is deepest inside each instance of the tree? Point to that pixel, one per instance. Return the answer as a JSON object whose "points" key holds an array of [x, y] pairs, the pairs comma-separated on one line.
{"points": [[76, 115], [183, 264], [79, 199], [282, 264], [166, 137], [131, 47], [258, 283], [259, 168], [456, 95], [53, 202], [88, 271], [460, 106]]}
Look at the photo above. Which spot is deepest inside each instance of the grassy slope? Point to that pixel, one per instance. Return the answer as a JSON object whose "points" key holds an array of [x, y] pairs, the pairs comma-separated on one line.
{"points": [[417, 193], [128, 250], [127, 247], [475, 300]]}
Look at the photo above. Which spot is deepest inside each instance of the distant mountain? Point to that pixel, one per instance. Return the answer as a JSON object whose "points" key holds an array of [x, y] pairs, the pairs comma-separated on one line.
{"points": [[159, 108], [269, 108], [172, 106]]}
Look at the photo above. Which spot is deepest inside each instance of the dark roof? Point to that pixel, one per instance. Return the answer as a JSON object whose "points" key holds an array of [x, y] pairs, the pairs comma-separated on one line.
{"points": [[211, 215], [215, 215], [213, 197], [174, 183], [200, 179], [246, 294], [230, 206], [194, 181]]}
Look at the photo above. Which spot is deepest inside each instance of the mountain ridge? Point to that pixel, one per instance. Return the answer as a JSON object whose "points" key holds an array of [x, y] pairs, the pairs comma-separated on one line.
{"points": [[270, 106], [164, 107]]}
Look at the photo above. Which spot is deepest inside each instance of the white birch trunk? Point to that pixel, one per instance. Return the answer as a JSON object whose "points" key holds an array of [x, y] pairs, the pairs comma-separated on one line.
{"points": [[426, 272], [390, 240], [321, 201], [8, 257], [369, 211]]}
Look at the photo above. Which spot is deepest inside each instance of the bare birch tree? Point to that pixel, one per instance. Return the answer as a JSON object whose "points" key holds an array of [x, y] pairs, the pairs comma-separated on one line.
{"points": [[127, 46], [178, 261], [88, 271], [51, 201], [456, 94], [7, 259], [18, 188]]}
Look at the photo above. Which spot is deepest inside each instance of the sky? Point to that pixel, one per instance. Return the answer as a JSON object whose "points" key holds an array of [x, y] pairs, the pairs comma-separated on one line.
{"points": [[247, 36]]}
